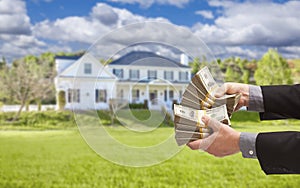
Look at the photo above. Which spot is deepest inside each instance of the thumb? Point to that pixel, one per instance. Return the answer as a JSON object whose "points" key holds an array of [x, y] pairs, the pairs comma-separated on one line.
{"points": [[202, 144], [210, 122], [221, 91]]}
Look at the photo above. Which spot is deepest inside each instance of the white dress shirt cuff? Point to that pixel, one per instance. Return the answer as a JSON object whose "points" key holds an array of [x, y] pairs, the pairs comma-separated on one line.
{"points": [[247, 144], [256, 102]]}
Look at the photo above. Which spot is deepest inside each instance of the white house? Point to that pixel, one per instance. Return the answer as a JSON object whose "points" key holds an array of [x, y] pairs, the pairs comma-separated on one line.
{"points": [[135, 77]]}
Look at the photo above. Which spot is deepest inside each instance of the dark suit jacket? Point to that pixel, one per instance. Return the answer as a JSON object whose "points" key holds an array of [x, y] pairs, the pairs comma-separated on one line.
{"points": [[279, 152]]}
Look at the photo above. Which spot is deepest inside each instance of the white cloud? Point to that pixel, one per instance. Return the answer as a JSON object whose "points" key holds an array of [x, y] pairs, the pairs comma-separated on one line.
{"points": [[20, 45], [14, 18], [148, 3], [205, 13], [253, 23], [102, 19]]}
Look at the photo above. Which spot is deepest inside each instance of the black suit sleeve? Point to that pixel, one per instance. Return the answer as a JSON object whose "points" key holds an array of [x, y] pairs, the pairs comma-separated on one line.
{"points": [[279, 152], [281, 102]]}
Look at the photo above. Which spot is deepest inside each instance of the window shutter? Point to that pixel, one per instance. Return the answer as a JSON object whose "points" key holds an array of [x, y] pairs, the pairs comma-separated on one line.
{"points": [[138, 74], [78, 95], [97, 95], [130, 74], [105, 96], [165, 75]]}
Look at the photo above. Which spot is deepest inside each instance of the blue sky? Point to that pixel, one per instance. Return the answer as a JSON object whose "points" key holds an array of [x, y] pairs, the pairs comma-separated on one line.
{"points": [[230, 28], [39, 10]]}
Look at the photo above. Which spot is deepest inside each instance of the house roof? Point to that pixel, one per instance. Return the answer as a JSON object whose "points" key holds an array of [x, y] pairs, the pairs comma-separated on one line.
{"points": [[142, 58], [68, 57]]}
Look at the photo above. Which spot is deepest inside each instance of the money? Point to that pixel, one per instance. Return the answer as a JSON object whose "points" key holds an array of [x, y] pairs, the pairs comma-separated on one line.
{"points": [[198, 100], [219, 113], [190, 127], [200, 92]]}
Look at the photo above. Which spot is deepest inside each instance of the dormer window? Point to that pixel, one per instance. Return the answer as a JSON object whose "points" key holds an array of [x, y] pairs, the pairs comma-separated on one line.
{"points": [[87, 68], [152, 74], [168, 75], [118, 72], [134, 74], [183, 76]]}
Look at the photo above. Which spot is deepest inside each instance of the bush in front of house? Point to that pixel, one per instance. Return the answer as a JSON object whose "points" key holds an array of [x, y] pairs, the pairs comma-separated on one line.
{"points": [[44, 119], [137, 106]]}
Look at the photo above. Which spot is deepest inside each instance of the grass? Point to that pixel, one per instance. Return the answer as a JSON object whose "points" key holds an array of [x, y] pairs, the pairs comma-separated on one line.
{"points": [[61, 158]]}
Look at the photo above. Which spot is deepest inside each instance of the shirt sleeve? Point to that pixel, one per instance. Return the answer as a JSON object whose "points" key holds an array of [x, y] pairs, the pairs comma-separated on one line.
{"points": [[256, 102], [247, 144]]}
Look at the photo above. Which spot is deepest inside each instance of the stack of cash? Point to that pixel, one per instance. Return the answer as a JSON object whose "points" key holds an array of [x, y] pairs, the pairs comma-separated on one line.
{"points": [[198, 100], [188, 123], [199, 94]]}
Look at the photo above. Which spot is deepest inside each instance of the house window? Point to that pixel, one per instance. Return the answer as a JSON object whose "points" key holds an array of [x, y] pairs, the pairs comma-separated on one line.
{"points": [[87, 68], [165, 93], [152, 74], [134, 74], [183, 76], [171, 95], [118, 72], [135, 95], [73, 96], [100, 95], [168, 75]]}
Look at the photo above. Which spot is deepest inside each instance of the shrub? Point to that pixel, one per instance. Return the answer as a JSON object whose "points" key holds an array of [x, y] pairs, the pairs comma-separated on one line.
{"points": [[137, 106], [47, 119]]}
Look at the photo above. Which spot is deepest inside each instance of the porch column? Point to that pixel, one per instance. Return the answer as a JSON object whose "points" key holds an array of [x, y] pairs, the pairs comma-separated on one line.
{"points": [[130, 93], [147, 94]]}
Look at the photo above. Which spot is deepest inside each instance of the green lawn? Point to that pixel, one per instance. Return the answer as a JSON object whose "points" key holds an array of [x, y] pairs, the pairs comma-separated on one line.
{"points": [[61, 158]]}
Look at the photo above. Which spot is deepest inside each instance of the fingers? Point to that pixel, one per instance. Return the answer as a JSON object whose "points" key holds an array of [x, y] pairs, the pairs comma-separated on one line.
{"points": [[202, 144], [205, 143], [212, 123], [221, 90]]}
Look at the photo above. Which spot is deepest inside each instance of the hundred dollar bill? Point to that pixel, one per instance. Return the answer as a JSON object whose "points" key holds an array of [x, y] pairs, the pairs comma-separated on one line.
{"points": [[194, 103], [231, 102], [188, 134], [207, 79], [191, 128], [219, 113], [181, 120]]}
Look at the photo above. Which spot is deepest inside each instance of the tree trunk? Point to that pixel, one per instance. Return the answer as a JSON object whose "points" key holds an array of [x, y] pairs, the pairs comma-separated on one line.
{"points": [[19, 112]]}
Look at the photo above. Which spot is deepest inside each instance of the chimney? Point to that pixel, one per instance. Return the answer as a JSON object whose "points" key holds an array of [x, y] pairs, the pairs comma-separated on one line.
{"points": [[184, 59]]}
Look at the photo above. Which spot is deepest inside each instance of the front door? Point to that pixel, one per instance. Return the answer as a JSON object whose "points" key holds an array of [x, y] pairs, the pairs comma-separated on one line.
{"points": [[153, 97]]}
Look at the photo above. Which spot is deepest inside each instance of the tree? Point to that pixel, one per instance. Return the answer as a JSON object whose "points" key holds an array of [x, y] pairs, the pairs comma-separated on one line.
{"points": [[26, 80], [198, 64], [272, 69]]}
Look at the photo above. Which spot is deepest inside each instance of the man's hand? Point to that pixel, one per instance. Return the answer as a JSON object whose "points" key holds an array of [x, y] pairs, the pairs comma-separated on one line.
{"points": [[235, 88], [224, 141]]}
